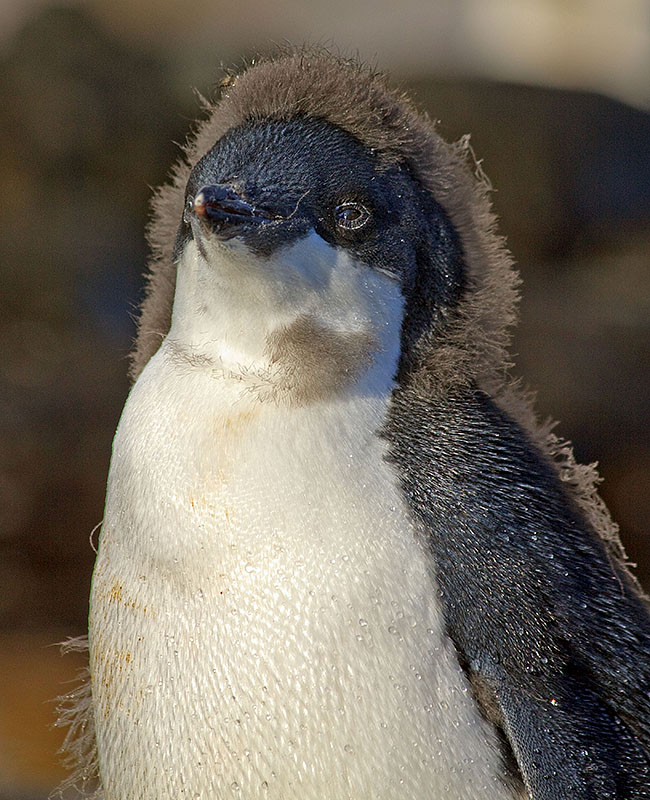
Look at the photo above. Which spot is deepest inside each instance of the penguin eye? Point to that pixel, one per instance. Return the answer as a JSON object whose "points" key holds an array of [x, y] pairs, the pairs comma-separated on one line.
{"points": [[351, 216]]}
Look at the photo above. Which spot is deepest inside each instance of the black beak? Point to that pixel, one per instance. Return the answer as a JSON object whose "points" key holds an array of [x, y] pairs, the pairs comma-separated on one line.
{"points": [[224, 210]]}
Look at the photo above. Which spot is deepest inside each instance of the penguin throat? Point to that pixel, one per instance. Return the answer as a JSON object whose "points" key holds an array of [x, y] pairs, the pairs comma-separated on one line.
{"points": [[304, 325]]}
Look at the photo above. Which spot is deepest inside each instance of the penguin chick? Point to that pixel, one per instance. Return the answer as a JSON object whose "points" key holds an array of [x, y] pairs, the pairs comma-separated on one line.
{"points": [[339, 559]]}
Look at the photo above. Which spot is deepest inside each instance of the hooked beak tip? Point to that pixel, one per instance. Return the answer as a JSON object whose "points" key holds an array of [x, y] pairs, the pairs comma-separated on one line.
{"points": [[223, 207], [199, 204]]}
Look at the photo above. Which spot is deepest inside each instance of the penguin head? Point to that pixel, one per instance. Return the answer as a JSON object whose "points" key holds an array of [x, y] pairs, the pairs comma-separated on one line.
{"points": [[302, 249], [323, 230]]}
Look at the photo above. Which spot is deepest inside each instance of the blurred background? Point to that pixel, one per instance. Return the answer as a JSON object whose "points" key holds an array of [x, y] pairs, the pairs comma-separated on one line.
{"points": [[93, 96]]}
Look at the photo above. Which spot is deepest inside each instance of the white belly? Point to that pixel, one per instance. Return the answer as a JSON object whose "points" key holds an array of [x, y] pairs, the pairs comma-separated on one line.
{"points": [[264, 620]]}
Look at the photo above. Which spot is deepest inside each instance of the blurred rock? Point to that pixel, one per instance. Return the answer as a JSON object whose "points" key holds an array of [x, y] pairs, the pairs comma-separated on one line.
{"points": [[87, 127], [570, 169]]}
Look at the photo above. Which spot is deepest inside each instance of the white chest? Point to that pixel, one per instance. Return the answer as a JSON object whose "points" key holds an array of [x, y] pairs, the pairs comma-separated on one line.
{"points": [[264, 620]]}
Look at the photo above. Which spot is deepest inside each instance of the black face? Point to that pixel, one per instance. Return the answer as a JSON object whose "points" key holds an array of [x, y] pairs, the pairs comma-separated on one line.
{"points": [[273, 181]]}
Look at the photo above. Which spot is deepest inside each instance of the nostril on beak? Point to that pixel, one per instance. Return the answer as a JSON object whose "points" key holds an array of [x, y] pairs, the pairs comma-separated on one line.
{"points": [[221, 204]]}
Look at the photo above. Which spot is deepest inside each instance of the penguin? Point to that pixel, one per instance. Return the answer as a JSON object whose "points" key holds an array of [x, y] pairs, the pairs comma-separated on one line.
{"points": [[340, 558]]}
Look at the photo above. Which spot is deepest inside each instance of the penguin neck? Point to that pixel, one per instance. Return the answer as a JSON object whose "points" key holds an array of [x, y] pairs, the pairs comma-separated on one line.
{"points": [[220, 315], [332, 328]]}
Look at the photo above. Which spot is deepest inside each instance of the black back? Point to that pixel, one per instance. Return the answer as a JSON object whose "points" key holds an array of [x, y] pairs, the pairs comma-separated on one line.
{"points": [[545, 622]]}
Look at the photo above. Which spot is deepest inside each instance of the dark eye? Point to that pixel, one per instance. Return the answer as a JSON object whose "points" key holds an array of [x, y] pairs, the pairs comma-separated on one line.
{"points": [[351, 216]]}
